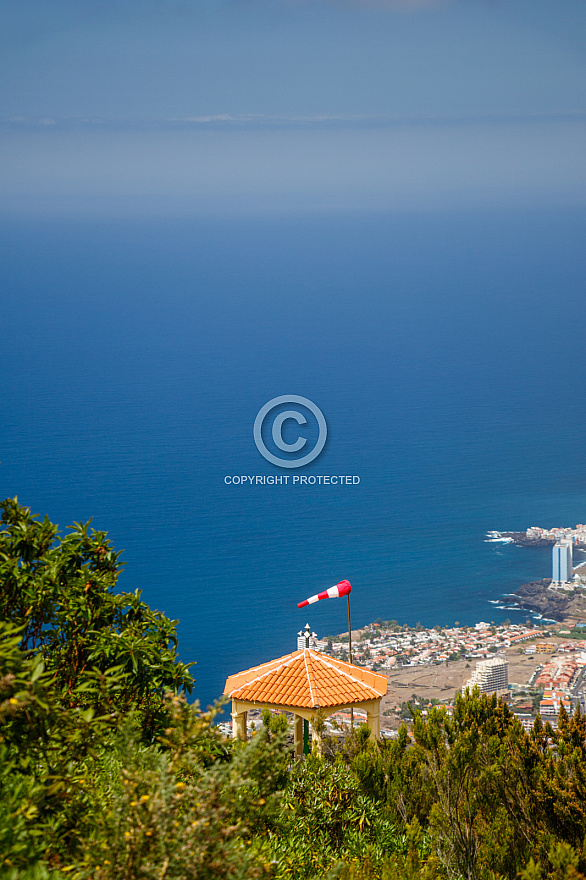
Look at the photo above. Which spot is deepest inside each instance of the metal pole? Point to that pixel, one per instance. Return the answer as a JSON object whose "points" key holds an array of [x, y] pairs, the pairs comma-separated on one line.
{"points": [[350, 654], [305, 721], [349, 630]]}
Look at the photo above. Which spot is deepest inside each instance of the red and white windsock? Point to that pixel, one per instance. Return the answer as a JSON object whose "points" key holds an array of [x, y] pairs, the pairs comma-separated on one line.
{"points": [[341, 589]]}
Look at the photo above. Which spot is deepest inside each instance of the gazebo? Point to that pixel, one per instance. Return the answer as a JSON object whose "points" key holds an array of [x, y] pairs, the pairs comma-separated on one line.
{"points": [[303, 683]]}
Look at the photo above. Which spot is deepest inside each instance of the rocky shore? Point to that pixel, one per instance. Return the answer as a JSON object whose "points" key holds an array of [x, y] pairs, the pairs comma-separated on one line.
{"points": [[523, 541], [535, 596]]}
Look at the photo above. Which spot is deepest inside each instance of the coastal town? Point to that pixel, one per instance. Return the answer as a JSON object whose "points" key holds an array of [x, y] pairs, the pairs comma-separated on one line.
{"points": [[533, 669], [383, 646], [536, 667], [536, 534]]}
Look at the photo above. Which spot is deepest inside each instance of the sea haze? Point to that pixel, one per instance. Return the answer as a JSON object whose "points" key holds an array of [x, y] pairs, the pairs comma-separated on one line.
{"points": [[445, 350]]}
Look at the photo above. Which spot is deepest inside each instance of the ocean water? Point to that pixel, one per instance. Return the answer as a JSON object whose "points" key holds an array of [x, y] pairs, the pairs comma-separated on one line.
{"points": [[446, 352]]}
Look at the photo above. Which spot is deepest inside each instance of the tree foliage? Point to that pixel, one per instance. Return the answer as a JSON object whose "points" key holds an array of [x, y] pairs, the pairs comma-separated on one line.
{"points": [[61, 592]]}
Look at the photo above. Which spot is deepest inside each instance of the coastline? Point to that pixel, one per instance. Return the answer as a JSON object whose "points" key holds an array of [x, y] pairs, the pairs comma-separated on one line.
{"points": [[524, 540], [389, 646], [540, 596]]}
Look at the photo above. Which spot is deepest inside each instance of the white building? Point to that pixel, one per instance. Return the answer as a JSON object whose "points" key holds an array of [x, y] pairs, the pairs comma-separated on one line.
{"points": [[490, 675], [562, 562]]}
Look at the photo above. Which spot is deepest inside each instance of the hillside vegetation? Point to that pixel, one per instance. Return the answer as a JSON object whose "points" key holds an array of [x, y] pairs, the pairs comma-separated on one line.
{"points": [[107, 772]]}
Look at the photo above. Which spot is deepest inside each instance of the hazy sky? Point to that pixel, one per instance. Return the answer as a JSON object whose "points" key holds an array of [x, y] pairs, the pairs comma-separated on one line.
{"points": [[397, 103]]}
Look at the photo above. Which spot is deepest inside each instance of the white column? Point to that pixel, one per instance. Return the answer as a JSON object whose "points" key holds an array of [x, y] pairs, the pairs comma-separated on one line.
{"points": [[373, 718], [298, 735], [316, 741], [239, 720]]}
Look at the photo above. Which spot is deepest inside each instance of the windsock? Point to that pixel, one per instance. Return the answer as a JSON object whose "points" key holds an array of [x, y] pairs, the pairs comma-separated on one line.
{"points": [[341, 589]]}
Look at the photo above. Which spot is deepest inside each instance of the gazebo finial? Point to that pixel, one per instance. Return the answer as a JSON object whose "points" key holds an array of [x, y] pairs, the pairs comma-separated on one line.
{"points": [[307, 634]]}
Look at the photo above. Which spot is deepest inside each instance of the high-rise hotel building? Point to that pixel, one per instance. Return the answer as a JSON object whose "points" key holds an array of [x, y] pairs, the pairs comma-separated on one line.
{"points": [[490, 676], [562, 562]]}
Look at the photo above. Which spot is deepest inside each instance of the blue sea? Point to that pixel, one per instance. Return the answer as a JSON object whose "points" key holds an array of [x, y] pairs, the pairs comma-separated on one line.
{"points": [[446, 352]]}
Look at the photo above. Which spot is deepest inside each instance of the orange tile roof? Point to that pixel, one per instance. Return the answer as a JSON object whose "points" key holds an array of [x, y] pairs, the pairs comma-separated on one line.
{"points": [[306, 679]]}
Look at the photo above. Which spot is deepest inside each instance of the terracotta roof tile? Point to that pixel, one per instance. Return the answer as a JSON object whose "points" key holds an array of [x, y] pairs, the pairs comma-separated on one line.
{"points": [[306, 679]]}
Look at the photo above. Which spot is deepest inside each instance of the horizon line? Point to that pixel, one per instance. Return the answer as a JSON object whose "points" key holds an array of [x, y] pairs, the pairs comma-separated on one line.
{"points": [[274, 121]]}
